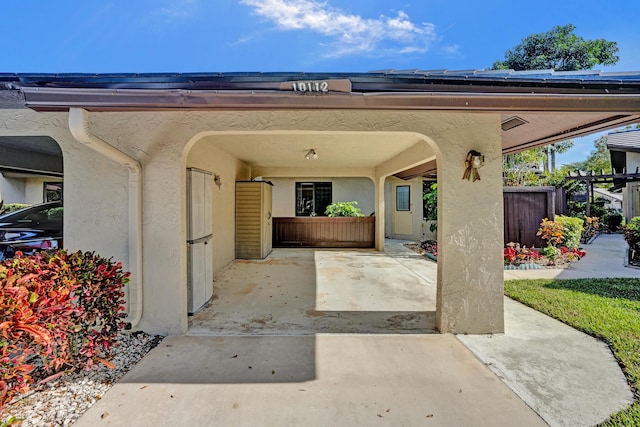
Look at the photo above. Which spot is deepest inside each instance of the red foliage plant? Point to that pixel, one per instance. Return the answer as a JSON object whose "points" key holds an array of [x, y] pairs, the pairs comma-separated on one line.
{"points": [[516, 254], [58, 309]]}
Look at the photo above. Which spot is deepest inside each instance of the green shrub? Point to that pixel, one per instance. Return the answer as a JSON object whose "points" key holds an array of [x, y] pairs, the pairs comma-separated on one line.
{"points": [[590, 228], [551, 253], [11, 207], [573, 227], [597, 210], [61, 309], [612, 220], [632, 232], [431, 206], [343, 209]]}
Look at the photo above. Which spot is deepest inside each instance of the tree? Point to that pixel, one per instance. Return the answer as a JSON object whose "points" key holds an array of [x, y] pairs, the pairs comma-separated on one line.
{"points": [[559, 49], [522, 168], [598, 160], [557, 148]]}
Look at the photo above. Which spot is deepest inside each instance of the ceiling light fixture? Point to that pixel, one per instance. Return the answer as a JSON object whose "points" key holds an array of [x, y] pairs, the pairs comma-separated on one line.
{"points": [[311, 154]]}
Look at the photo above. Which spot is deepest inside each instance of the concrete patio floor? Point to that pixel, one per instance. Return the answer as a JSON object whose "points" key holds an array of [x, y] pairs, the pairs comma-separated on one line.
{"points": [[346, 337], [302, 291]]}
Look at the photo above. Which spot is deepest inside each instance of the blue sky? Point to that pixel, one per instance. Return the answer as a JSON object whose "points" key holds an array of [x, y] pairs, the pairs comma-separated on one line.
{"points": [[105, 36]]}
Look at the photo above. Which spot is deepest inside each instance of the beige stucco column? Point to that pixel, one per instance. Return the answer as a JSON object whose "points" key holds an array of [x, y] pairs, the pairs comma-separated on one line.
{"points": [[380, 212], [470, 232]]}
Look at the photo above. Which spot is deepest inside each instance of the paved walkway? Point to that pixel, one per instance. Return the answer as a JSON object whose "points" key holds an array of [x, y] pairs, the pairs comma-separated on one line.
{"points": [[605, 258], [541, 358], [539, 372]]}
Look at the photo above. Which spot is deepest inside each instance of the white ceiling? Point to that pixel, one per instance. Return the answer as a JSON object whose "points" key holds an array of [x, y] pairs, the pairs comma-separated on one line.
{"points": [[334, 149]]}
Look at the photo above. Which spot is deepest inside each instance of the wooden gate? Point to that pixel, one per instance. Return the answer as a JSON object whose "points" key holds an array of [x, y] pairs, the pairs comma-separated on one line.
{"points": [[524, 209]]}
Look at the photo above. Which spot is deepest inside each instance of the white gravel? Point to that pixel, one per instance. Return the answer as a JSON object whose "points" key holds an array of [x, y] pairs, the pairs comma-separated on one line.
{"points": [[62, 401]]}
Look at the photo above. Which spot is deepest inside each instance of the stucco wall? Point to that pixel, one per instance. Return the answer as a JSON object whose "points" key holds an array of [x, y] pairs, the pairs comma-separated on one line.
{"points": [[12, 190], [34, 190], [205, 155], [23, 190], [470, 229], [96, 215], [416, 202], [343, 190], [96, 195]]}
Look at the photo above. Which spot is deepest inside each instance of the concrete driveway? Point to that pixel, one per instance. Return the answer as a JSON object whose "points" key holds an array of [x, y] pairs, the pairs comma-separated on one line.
{"points": [[303, 291], [345, 338]]}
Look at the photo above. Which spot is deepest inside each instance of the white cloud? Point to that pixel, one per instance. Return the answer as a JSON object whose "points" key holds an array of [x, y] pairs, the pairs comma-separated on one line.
{"points": [[350, 34], [180, 9], [452, 50]]}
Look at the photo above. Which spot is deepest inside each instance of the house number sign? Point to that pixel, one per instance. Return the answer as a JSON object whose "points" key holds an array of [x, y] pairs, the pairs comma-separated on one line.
{"points": [[317, 86]]}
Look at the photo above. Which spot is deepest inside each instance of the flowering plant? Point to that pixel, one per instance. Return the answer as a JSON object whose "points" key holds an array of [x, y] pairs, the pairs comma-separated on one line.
{"points": [[572, 254], [516, 254]]}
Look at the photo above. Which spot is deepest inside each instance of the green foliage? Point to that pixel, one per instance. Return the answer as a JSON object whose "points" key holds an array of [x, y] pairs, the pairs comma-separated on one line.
{"points": [[632, 235], [58, 309], [521, 169], [559, 49], [604, 308], [11, 421], [598, 160], [612, 220], [580, 209], [10, 207], [590, 228], [431, 205], [558, 179], [343, 209], [597, 209], [573, 228], [551, 253]]}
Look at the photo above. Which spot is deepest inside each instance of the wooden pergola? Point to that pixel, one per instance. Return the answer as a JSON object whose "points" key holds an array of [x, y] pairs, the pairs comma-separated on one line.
{"points": [[619, 180]]}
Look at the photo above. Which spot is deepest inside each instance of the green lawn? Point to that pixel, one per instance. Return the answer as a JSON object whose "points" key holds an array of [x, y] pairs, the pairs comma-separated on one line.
{"points": [[608, 309]]}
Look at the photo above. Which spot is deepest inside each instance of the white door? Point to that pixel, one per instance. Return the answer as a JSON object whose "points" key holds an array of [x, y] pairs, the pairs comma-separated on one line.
{"points": [[199, 204], [402, 213], [199, 239]]}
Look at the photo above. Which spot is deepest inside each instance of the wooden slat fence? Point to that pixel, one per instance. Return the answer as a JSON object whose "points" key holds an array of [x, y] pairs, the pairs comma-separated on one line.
{"points": [[339, 232]]}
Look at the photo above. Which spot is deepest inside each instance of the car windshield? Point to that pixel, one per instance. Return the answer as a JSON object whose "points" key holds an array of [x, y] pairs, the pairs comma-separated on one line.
{"points": [[34, 215]]}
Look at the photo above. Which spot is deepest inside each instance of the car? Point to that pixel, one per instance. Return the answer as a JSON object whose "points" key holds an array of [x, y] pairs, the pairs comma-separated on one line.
{"points": [[37, 227]]}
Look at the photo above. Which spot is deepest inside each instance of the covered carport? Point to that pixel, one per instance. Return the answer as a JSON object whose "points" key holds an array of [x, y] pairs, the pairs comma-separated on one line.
{"points": [[160, 124], [308, 291]]}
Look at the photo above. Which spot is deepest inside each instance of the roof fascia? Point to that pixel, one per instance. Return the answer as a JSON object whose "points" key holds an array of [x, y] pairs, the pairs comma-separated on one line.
{"points": [[61, 99]]}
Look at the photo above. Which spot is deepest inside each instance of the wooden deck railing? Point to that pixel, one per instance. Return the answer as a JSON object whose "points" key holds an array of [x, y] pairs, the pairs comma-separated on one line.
{"points": [[338, 232]]}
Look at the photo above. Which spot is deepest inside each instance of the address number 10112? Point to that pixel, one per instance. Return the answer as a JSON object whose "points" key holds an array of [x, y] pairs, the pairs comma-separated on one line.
{"points": [[310, 86]]}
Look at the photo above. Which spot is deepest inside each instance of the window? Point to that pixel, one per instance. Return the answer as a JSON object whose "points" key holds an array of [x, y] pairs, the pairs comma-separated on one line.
{"points": [[403, 197], [52, 191], [312, 198]]}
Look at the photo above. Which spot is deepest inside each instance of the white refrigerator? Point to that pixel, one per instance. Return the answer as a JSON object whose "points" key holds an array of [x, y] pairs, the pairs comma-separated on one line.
{"points": [[199, 239]]}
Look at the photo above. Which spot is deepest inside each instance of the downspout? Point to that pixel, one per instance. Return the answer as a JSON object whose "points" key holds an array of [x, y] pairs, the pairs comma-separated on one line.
{"points": [[79, 127]]}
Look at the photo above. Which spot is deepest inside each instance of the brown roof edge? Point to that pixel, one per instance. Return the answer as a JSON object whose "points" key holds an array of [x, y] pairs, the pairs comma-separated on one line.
{"points": [[61, 99], [612, 122]]}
